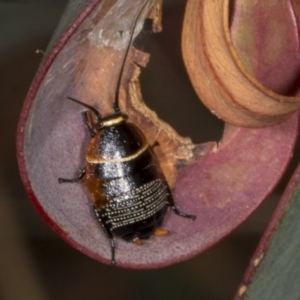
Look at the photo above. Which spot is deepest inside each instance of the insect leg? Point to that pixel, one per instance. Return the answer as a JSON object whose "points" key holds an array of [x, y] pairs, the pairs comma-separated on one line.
{"points": [[177, 211], [88, 123], [108, 234], [155, 144], [78, 178]]}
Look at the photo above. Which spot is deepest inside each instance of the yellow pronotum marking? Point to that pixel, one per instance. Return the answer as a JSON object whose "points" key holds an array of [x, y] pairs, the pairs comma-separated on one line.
{"points": [[113, 121], [98, 160]]}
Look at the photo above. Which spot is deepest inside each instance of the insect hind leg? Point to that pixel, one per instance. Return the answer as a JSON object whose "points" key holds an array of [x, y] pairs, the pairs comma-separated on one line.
{"points": [[177, 211], [73, 180], [180, 213], [108, 233]]}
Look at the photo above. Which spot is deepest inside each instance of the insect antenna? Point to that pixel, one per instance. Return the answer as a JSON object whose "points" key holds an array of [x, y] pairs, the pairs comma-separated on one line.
{"points": [[116, 103], [93, 109]]}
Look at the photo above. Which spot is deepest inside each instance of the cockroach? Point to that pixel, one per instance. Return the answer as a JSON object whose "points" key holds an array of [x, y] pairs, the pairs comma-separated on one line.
{"points": [[122, 174]]}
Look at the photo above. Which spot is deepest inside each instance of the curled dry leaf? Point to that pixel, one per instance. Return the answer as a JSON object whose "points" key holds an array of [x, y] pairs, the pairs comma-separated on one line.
{"points": [[233, 88], [213, 181]]}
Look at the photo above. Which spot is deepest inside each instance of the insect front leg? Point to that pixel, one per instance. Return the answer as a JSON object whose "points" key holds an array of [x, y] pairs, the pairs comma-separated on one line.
{"points": [[108, 233], [89, 124], [76, 179]]}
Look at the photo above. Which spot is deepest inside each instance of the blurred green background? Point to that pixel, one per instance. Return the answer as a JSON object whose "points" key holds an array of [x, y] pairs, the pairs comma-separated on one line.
{"points": [[35, 263]]}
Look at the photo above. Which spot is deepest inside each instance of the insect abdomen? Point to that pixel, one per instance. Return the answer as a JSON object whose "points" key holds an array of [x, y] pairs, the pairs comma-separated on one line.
{"points": [[136, 205], [136, 201]]}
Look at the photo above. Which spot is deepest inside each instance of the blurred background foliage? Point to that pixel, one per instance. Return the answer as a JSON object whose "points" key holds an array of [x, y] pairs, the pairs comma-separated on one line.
{"points": [[34, 262]]}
